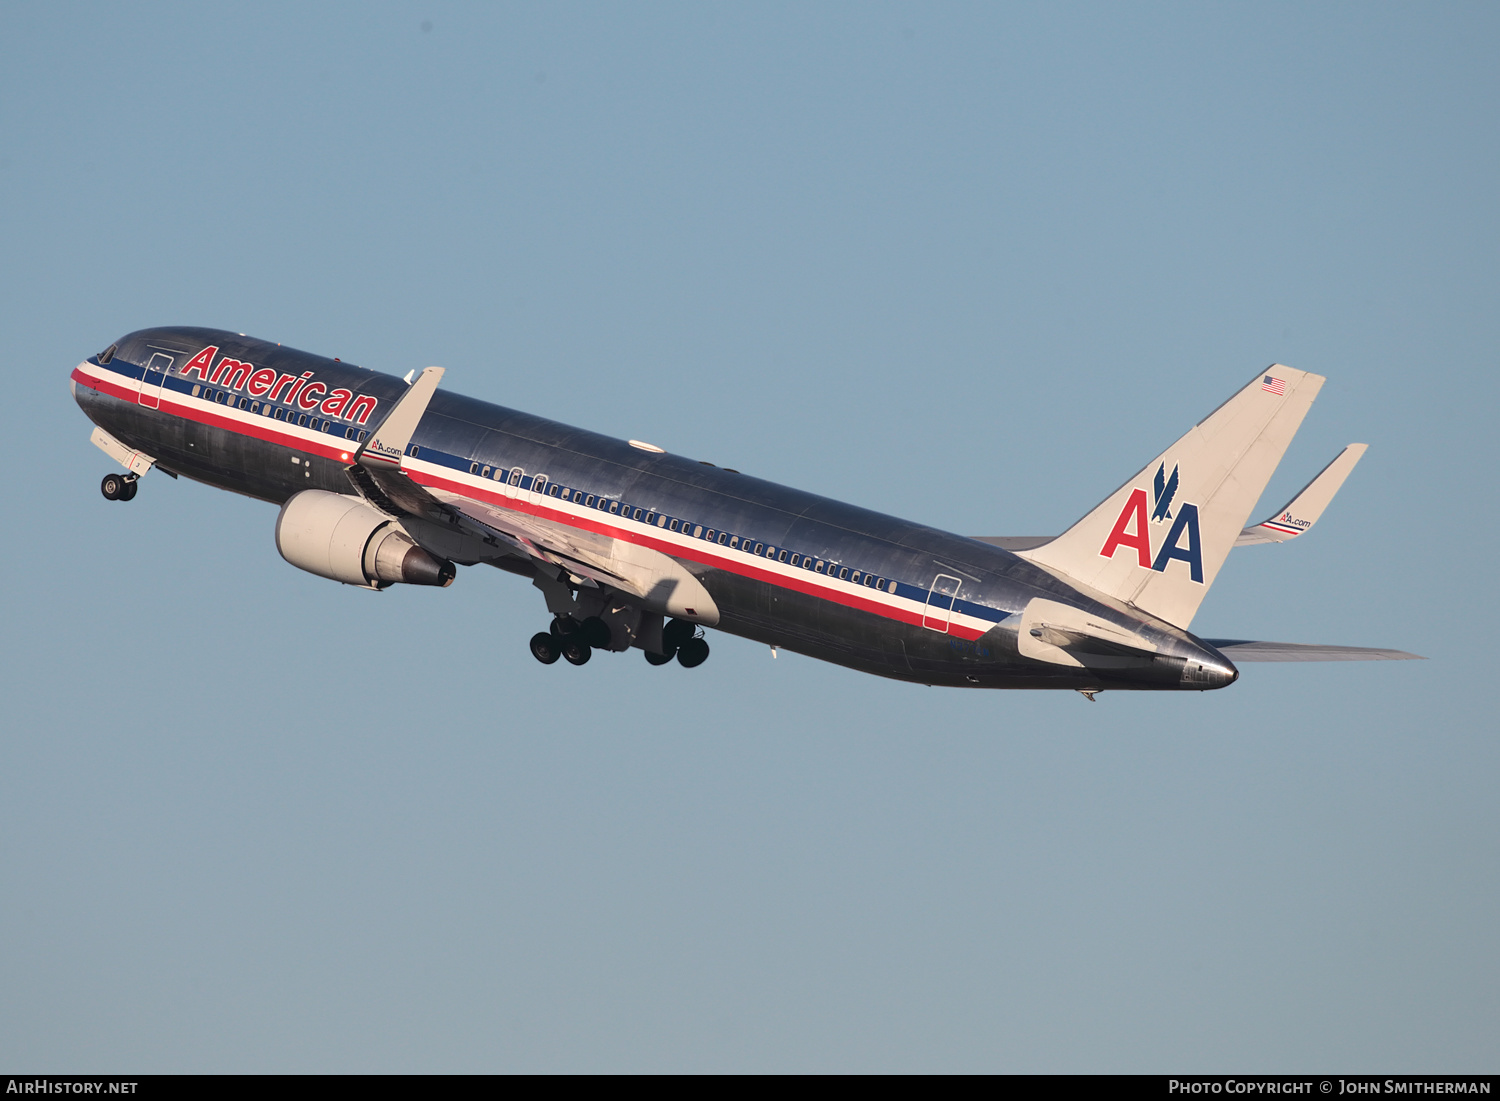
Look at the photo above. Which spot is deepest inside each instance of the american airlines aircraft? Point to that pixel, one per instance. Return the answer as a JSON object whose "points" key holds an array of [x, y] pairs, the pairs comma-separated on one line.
{"points": [[383, 481]]}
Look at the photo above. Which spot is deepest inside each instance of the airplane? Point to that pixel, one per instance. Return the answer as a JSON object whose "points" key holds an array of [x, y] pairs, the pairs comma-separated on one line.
{"points": [[384, 480]]}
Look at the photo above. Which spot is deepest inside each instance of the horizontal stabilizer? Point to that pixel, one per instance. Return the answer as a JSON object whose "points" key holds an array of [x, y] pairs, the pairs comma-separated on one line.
{"points": [[1238, 650], [1303, 510]]}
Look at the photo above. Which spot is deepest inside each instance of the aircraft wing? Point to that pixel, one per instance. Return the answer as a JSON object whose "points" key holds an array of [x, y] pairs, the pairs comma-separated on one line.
{"points": [[380, 472], [1303, 510], [1239, 650]]}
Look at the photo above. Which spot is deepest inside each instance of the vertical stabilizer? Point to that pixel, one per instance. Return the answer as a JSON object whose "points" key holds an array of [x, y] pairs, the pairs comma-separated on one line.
{"points": [[1158, 541]]}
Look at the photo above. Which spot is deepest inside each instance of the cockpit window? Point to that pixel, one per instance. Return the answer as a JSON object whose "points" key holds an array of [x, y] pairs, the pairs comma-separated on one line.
{"points": [[108, 353]]}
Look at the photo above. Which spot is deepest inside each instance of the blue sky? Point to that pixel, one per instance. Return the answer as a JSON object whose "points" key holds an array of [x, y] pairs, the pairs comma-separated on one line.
{"points": [[969, 264]]}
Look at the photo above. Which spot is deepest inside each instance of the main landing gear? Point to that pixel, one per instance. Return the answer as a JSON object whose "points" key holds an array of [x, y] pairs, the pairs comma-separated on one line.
{"points": [[576, 641], [570, 639], [119, 487]]}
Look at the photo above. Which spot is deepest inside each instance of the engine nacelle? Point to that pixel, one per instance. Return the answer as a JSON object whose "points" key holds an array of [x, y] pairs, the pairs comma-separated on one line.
{"points": [[342, 538]]}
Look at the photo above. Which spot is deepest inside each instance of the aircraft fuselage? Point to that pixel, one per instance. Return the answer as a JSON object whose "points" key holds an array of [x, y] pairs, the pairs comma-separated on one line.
{"points": [[786, 568]]}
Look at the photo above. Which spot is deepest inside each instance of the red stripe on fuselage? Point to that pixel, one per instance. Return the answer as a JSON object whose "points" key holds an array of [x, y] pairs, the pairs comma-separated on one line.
{"points": [[171, 403], [695, 551]]}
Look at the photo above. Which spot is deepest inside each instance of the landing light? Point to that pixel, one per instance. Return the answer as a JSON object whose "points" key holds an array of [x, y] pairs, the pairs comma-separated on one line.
{"points": [[644, 446]]}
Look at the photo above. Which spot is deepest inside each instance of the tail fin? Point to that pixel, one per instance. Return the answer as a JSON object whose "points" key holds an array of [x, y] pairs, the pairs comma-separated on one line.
{"points": [[1158, 541]]}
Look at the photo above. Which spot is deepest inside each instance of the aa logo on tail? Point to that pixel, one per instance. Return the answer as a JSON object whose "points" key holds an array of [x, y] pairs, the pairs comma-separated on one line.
{"points": [[1133, 530]]}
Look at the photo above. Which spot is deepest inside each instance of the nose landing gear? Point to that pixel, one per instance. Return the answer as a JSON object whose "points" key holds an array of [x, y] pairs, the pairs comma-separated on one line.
{"points": [[119, 487]]}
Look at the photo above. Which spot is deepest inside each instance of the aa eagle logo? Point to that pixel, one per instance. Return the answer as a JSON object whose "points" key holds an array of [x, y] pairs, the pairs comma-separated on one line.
{"points": [[1166, 489]]}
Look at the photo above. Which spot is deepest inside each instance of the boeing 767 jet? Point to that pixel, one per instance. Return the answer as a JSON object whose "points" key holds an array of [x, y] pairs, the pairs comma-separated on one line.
{"points": [[383, 481]]}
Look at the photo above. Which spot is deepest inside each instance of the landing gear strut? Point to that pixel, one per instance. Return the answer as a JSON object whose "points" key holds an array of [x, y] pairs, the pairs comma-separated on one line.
{"points": [[118, 487]]}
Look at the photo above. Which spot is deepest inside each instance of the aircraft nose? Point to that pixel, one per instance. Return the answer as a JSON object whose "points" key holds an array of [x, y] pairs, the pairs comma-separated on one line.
{"points": [[1208, 669]]}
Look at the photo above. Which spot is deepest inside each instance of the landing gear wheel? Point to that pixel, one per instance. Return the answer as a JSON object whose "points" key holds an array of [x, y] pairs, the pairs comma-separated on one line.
{"points": [[595, 632], [677, 632], [128, 493], [658, 659], [692, 653], [545, 648], [112, 486], [576, 651], [564, 626]]}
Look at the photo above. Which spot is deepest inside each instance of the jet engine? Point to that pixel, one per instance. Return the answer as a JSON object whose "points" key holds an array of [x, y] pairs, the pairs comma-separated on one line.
{"points": [[342, 538]]}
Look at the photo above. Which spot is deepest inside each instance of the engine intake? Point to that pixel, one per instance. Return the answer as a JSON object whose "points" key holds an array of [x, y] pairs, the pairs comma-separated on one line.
{"points": [[343, 539]]}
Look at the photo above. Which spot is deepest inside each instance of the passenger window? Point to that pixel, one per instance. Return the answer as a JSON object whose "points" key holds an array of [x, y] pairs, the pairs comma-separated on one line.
{"points": [[614, 507], [709, 535], [484, 472], [891, 585], [280, 414], [349, 433], [722, 536], [499, 475], [362, 435], [650, 517], [782, 557], [302, 420], [854, 577], [869, 580], [734, 541], [473, 468], [672, 526], [844, 574], [590, 502], [538, 483], [515, 476], [413, 450], [796, 560], [565, 493], [760, 548], [819, 567], [196, 390], [553, 490], [697, 531], [636, 515]]}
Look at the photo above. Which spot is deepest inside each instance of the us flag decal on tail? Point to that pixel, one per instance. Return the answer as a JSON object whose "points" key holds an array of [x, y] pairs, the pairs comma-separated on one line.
{"points": [[1274, 385]]}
